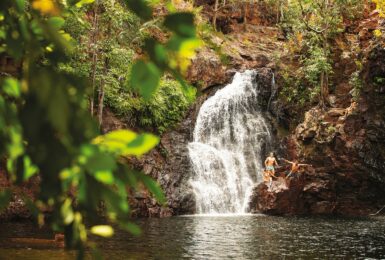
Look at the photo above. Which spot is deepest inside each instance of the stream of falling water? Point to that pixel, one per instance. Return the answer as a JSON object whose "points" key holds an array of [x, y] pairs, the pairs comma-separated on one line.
{"points": [[229, 137]]}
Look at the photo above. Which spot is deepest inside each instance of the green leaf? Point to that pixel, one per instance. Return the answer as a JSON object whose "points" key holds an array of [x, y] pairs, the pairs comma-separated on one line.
{"points": [[56, 22], [131, 227], [157, 52], [145, 78], [58, 106], [29, 169], [101, 163], [105, 177], [102, 230], [84, 2], [141, 145], [126, 175], [116, 140], [5, 197], [15, 147], [11, 87], [153, 187], [140, 8], [67, 212], [126, 142], [20, 5], [181, 23], [115, 203]]}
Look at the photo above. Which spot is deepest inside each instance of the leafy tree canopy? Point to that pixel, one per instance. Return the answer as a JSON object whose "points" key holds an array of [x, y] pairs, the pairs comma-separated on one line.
{"points": [[46, 126]]}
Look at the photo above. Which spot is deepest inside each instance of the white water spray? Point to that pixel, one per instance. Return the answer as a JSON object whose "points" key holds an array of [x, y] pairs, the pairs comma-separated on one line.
{"points": [[229, 137]]}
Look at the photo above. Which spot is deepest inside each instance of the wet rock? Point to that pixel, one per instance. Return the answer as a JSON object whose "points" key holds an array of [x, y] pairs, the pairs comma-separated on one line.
{"points": [[165, 212], [282, 198], [323, 208]]}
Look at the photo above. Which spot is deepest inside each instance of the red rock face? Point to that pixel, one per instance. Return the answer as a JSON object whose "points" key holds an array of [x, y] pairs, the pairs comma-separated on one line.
{"points": [[282, 198], [207, 70], [346, 147], [345, 143]]}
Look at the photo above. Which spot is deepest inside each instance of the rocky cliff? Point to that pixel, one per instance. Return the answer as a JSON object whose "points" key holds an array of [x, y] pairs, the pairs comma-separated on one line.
{"points": [[345, 143]]}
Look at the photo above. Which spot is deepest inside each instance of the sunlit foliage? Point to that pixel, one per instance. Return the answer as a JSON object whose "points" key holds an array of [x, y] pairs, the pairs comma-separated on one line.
{"points": [[107, 38], [380, 6], [46, 126], [311, 27]]}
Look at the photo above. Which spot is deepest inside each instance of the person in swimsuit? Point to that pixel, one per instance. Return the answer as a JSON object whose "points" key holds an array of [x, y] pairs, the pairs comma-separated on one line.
{"points": [[269, 172], [270, 162], [294, 167]]}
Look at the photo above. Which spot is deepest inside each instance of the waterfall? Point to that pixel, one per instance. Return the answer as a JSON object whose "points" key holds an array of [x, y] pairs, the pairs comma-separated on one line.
{"points": [[230, 136]]}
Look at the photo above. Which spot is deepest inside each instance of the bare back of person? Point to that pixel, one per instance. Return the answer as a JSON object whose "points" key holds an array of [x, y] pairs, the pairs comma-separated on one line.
{"points": [[294, 167]]}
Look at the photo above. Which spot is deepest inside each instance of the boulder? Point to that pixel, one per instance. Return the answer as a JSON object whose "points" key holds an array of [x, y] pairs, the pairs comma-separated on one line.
{"points": [[206, 70], [282, 198]]}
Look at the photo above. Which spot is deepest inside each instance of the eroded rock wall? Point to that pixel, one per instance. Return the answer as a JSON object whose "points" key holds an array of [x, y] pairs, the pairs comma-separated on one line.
{"points": [[344, 143]]}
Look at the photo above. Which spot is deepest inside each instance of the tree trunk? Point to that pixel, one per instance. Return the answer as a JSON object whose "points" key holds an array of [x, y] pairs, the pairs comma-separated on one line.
{"points": [[216, 6], [101, 94], [324, 75], [278, 11], [281, 12], [95, 25], [245, 7], [93, 82]]}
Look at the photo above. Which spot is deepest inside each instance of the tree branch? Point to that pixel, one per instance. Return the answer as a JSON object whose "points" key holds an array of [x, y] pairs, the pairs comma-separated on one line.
{"points": [[308, 26]]}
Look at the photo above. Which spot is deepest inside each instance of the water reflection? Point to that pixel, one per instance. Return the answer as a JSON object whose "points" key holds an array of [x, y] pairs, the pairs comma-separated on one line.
{"points": [[226, 237]]}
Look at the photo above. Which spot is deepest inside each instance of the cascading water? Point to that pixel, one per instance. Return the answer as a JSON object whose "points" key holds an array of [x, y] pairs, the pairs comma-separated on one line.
{"points": [[229, 137]]}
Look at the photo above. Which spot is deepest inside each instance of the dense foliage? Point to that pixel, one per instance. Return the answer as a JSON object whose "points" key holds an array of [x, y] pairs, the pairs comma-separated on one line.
{"points": [[107, 37], [45, 120], [311, 27], [159, 113]]}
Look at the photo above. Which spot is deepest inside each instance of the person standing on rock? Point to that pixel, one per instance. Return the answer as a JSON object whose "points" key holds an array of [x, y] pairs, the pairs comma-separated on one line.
{"points": [[294, 167], [270, 162]]}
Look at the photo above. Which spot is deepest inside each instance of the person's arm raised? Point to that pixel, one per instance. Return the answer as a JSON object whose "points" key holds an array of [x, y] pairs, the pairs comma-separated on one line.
{"points": [[304, 164], [286, 160]]}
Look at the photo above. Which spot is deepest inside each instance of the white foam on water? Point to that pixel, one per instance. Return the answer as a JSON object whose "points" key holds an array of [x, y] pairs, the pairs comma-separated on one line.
{"points": [[225, 215]]}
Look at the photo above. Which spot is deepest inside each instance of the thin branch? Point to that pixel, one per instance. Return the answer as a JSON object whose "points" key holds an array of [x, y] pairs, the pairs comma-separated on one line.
{"points": [[378, 211], [306, 22]]}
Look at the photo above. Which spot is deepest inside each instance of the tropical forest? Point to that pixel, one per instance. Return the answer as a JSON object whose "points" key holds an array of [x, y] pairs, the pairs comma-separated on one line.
{"points": [[192, 129]]}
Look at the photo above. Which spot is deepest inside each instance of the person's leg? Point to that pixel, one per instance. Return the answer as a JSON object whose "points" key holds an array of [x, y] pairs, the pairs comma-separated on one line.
{"points": [[269, 178], [289, 174], [265, 176]]}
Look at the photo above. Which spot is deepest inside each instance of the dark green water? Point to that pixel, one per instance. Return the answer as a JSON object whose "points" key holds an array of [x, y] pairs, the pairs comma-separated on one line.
{"points": [[231, 237]]}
